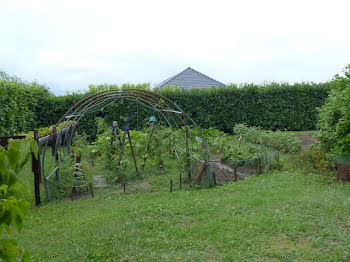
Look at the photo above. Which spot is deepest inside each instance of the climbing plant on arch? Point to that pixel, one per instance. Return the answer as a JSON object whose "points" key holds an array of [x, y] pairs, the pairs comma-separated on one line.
{"points": [[58, 143]]}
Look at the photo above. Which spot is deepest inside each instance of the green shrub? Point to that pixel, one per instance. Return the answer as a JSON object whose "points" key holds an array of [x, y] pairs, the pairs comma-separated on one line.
{"points": [[313, 159], [334, 117], [241, 156], [13, 207]]}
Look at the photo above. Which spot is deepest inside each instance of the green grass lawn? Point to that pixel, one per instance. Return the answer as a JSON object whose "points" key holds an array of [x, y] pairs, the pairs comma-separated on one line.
{"points": [[274, 217]]}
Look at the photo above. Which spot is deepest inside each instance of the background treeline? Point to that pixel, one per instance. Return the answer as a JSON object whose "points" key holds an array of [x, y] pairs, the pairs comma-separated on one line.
{"points": [[25, 106]]}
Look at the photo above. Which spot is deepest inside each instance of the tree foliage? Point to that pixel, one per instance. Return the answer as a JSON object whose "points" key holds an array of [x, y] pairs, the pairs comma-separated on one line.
{"points": [[334, 117]]}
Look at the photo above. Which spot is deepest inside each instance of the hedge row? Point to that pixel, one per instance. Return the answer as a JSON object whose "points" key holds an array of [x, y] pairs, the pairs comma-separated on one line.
{"points": [[20, 104], [270, 106]]}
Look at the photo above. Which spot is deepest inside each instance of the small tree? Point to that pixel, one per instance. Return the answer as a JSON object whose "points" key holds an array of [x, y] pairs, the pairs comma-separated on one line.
{"points": [[334, 117]]}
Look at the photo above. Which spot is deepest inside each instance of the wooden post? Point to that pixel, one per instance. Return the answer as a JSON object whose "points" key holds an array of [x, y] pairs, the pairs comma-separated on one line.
{"points": [[171, 185], [133, 154], [36, 168], [199, 175], [91, 189], [235, 173], [180, 181], [188, 154], [259, 166], [124, 188]]}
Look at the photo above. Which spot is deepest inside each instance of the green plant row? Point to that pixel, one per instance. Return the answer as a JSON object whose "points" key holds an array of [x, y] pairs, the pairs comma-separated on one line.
{"points": [[282, 141]]}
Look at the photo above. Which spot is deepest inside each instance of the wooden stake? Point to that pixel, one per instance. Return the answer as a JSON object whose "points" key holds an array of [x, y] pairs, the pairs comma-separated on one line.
{"points": [[199, 175], [235, 173], [133, 154], [180, 181], [36, 168], [259, 166], [188, 154], [171, 185]]}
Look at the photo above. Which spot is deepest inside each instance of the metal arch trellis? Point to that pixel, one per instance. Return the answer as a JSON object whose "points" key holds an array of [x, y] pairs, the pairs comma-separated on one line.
{"points": [[61, 140]]}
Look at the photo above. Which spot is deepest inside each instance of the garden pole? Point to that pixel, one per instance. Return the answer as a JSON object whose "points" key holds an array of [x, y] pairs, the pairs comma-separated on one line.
{"points": [[235, 173], [36, 168], [115, 132], [54, 152], [259, 166], [132, 152], [180, 181], [188, 155]]}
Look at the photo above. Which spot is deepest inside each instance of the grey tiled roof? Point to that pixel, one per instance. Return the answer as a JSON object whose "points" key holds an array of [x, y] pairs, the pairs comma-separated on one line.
{"points": [[190, 78]]}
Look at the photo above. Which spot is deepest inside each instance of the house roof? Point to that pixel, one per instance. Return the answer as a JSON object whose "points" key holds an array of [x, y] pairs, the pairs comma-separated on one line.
{"points": [[190, 78]]}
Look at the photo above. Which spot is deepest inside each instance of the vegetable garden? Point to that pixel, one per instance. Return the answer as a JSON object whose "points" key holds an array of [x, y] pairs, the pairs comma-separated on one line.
{"points": [[140, 141]]}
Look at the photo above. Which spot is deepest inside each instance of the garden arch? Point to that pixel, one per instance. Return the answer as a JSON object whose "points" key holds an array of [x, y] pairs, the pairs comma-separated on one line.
{"points": [[60, 141]]}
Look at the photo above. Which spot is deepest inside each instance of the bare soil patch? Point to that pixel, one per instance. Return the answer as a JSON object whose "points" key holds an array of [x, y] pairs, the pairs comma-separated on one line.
{"points": [[224, 173], [100, 181], [143, 185], [307, 140]]}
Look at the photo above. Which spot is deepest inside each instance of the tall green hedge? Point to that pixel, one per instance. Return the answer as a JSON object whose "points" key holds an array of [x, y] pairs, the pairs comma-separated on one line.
{"points": [[271, 106], [20, 104]]}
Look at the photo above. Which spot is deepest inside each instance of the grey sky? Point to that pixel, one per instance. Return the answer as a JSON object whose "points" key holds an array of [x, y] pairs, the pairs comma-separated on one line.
{"points": [[71, 44]]}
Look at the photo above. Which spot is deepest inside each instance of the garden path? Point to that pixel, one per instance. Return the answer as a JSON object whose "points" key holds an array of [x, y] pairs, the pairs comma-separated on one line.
{"points": [[100, 181]]}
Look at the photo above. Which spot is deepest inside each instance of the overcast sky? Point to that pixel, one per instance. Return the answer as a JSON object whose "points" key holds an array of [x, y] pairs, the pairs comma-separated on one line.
{"points": [[68, 45]]}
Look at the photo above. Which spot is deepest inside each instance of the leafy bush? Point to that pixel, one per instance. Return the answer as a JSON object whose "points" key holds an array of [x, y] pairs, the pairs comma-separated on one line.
{"points": [[161, 148], [241, 156], [68, 169], [334, 117], [13, 207], [313, 159], [282, 141]]}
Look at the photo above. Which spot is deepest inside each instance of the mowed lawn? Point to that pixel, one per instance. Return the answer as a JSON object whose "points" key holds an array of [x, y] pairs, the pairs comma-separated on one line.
{"points": [[274, 217]]}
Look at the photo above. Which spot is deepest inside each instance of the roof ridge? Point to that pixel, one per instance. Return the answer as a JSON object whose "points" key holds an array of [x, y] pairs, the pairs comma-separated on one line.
{"points": [[165, 82], [206, 76], [171, 78]]}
